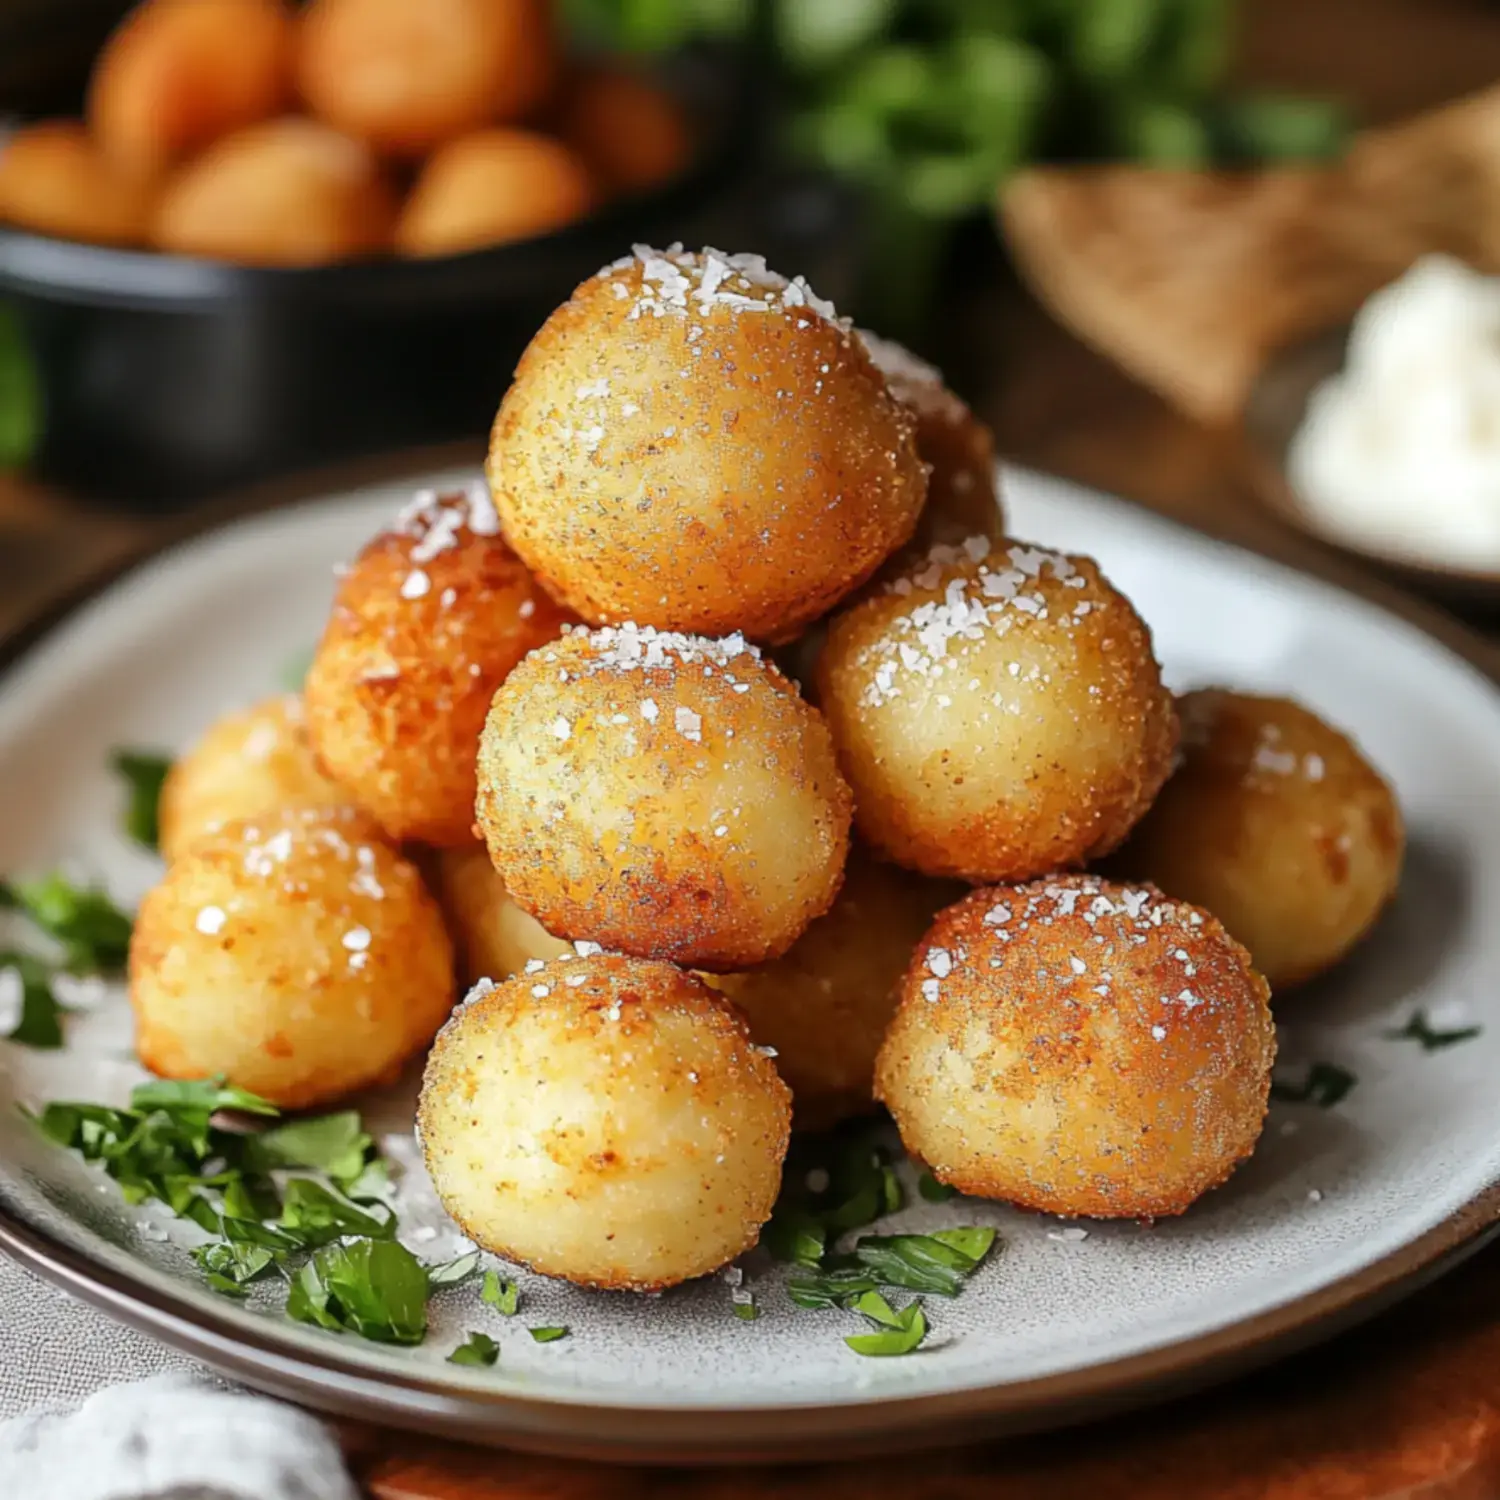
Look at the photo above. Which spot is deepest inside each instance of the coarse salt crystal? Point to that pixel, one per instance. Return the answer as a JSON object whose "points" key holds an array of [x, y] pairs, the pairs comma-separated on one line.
{"points": [[931, 990], [416, 585], [210, 921], [357, 939], [561, 728], [1072, 1235], [939, 962], [688, 724]]}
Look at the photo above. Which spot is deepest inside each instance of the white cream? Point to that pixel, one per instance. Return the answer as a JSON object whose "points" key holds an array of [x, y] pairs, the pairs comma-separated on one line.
{"points": [[1400, 453]]}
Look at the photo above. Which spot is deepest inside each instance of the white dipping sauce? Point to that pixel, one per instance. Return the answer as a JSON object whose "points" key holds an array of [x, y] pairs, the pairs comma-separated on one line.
{"points": [[1400, 453]]}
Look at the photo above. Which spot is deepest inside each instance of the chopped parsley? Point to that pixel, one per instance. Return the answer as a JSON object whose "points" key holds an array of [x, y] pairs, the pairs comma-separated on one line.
{"points": [[933, 1190], [896, 1332], [477, 1349], [375, 1288], [938, 1263], [746, 1311], [1325, 1085], [93, 931], [832, 1185], [1432, 1038], [503, 1296], [454, 1271], [39, 1015], [143, 772], [548, 1335]]}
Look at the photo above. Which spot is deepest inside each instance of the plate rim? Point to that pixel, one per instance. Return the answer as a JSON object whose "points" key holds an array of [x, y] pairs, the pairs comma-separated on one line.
{"points": [[617, 1431]]}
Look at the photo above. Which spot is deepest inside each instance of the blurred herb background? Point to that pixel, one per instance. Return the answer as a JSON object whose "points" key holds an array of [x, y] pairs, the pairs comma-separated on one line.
{"points": [[928, 105], [20, 397]]}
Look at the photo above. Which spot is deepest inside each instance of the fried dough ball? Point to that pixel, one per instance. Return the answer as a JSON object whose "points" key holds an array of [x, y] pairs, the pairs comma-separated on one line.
{"points": [[825, 1005], [493, 936], [665, 795], [258, 760], [696, 444], [297, 954], [1279, 826], [491, 188], [998, 712], [285, 193], [407, 77], [425, 626], [632, 132], [55, 180], [606, 1120], [963, 499], [1079, 1047], [178, 74]]}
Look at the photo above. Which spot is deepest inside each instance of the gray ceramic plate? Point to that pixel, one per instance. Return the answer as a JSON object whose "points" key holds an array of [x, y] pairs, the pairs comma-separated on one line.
{"points": [[1338, 1210]]}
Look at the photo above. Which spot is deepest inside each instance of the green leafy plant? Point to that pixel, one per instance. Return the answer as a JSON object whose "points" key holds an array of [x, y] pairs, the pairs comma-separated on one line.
{"points": [[928, 105]]}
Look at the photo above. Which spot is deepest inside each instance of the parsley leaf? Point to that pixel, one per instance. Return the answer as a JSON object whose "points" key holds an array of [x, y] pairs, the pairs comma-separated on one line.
{"points": [[229, 1268], [313, 1215], [93, 931], [834, 1185], [792, 1236], [1325, 1085], [933, 1190], [335, 1144], [938, 1263], [454, 1271], [503, 1296], [208, 1095], [144, 772], [746, 1311], [1418, 1029], [900, 1332], [39, 1022], [832, 1286], [477, 1349], [548, 1335], [375, 1288]]}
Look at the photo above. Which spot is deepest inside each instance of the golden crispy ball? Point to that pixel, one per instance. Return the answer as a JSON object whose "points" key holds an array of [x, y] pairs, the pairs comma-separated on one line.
{"points": [[286, 193], [251, 762], [693, 443], [825, 1005], [668, 796], [55, 180], [297, 954], [408, 76], [998, 712], [425, 626], [494, 937], [491, 188], [1079, 1047], [1279, 826], [632, 132], [178, 74], [963, 496], [606, 1120]]}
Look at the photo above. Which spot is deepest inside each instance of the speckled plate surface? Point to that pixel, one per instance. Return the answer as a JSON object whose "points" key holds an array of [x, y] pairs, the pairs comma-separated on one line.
{"points": [[1338, 1210]]}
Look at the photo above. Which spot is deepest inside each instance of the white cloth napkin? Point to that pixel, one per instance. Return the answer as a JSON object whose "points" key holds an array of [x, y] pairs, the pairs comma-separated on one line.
{"points": [[172, 1437], [177, 1435]]}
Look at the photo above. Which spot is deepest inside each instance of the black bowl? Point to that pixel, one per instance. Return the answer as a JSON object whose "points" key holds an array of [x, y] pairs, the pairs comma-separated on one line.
{"points": [[167, 378]]}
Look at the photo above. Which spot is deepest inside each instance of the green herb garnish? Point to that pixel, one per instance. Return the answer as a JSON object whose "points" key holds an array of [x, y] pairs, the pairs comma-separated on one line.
{"points": [[314, 1215], [938, 1263], [1324, 1085], [39, 1023], [228, 1268], [93, 931], [375, 1288], [477, 1349], [933, 1190], [1432, 1039], [503, 1296], [548, 1335], [144, 772], [899, 1332], [746, 1311], [336, 1144], [454, 1272]]}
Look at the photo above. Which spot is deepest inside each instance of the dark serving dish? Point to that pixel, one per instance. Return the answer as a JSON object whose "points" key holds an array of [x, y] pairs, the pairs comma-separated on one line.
{"points": [[166, 378]]}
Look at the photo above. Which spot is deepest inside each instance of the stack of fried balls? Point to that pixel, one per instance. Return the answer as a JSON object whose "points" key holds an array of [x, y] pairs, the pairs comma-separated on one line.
{"points": [[750, 775]]}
